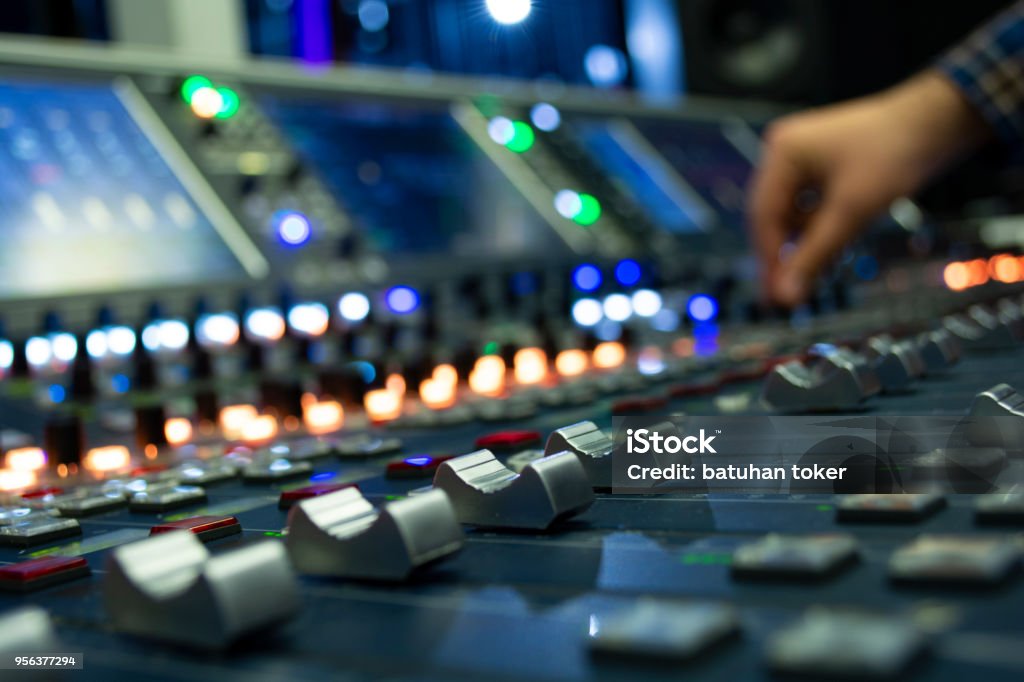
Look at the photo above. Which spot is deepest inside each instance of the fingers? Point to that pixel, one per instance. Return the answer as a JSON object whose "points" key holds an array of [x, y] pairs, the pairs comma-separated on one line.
{"points": [[772, 213], [836, 222]]}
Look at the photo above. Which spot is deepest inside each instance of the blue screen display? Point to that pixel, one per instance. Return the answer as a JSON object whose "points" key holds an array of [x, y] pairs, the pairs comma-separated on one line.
{"points": [[88, 203], [411, 180]]}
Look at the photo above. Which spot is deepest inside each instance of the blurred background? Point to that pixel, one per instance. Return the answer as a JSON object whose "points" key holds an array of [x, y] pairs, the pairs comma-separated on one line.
{"points": [[786, 50]]}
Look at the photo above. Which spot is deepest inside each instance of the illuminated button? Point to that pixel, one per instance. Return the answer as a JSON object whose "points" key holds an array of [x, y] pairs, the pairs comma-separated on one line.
{"points": [[300, 450], [778, 556], [367, 446], [895, 508], [263, 471], [41, 493], [202, 472], [206, 528], [487, 493], [422, 466], [76, 506], [38, 529], [955, 559], [342, 535], [290, 497], [161, 498], [825, 645], [665, 631], [35, 574], [999, 509], [507, 440]]}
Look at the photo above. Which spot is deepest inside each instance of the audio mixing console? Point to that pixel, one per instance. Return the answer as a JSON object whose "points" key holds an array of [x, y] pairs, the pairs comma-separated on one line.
{"points": [[305, 377]]}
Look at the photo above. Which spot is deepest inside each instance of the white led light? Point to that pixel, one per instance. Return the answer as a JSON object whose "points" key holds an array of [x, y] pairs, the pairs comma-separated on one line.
{"points": [[587, 312], [618, 307], [96, 344], [501, 130], [173, 335], [121, 340], [6, 355], [38, 351], [310, 319], [545, 117], [646, 303], [509, 12], [354, 307], [218, 329], [568, 204], [265, 323], [64, 346]]}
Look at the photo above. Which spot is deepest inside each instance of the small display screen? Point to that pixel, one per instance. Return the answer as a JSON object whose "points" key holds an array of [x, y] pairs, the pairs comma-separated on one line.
{"points": [[711, 163], [411, 179], [626, 157], [88, 203]]}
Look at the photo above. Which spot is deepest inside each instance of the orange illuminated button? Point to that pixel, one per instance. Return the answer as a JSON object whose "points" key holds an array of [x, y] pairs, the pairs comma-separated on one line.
{"points": [[292, 497], [206, 528], [507, 440], [35, 574]]}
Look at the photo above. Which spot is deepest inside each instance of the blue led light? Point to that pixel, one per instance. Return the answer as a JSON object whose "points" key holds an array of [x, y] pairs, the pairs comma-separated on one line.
{"points": [[587, 277], [366, 371], [702, 308], [57, 393], [121, 383], [293, 228], [323, 476], [402, 300], [420, 461], [628, 272]]}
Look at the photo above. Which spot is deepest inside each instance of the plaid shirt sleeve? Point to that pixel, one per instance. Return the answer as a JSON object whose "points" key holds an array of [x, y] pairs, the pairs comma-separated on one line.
{"points": [[988, 67]]}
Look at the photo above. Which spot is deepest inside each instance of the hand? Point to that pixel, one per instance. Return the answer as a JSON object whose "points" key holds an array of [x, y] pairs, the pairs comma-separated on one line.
{"points": [[858, 157]]}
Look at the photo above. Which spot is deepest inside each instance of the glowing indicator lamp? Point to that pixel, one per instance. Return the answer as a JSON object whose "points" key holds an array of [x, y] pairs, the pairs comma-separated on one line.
{"points": [[309, 319], [293, 228], [229, 103], [587, 277], [509, 12], [192, 84], [702, 308], [545, 117], [402, 300], [582, 209], [628, 272], [323, 417], [522, 137], [264, 324], [354, 307]]}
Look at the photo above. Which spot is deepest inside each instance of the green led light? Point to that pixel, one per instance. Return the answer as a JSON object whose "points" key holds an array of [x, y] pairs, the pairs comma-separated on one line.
{"points": [[193, 83], [522, 137], [824, 507], [491, 348], [231, 102], [590, 210], [272, 533]]}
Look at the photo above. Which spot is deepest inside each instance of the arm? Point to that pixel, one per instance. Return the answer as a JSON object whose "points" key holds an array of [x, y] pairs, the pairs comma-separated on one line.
{"points": [[861, 155]]}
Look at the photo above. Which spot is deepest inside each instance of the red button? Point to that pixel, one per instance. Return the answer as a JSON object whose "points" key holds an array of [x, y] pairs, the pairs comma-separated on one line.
{"points": [[206, 528], [628, 405], [290, 497], [693, 389], [420, 466], [36, 574], [504, 440], [149, 469], [42, 492]]}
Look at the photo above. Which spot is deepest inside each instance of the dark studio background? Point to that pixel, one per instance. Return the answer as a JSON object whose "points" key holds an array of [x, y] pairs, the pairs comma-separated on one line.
{"points": [[793, 51]]}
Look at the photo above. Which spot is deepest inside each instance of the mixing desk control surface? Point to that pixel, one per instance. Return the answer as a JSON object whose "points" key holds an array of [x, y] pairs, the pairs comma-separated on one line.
{"points": [[359, 403]]}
